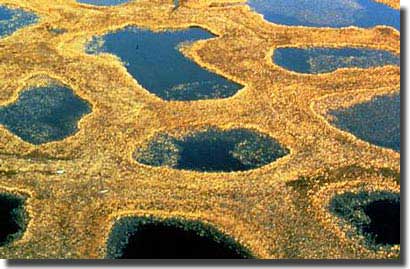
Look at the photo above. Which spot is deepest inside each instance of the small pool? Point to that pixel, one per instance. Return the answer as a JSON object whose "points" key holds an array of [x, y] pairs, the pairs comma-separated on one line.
{"points": [[376, 215], [323, 60], [154, 60], [377, 121], [327, 13], [13, 218], [12, 19], [44, 114], [212, 150], [150, 238], [103, 2]]}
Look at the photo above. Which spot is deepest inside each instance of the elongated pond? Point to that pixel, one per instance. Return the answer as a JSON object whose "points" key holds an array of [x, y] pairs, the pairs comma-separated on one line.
{"points": [[44, 114], [323, 60], [212, 150], [12, 19], [103, 2], [376, 121], [327, 13], [154, 60]]}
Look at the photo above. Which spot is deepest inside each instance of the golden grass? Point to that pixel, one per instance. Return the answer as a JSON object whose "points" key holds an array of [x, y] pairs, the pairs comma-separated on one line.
{"points": [[71, 217]]}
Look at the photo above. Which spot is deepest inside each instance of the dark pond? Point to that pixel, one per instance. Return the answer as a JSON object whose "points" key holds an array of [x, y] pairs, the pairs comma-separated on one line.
{"points": [[323, 60], [154, 60], [44, 114], [327, 13], [12, 218], [212, 150], [377, 121], [13, 19], [376, 215], [147, 238], [103, 2]]}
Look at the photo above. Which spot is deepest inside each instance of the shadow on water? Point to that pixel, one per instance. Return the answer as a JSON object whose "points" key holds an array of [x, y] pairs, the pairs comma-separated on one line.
{"points": [[154, 60], [376, 121], [327, 13], [13, 19], [212, 150], [44, 114], [322, 60]]}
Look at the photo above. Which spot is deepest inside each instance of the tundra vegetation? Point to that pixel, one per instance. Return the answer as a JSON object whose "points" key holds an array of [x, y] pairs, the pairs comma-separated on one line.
{"points": [[85, 184]]}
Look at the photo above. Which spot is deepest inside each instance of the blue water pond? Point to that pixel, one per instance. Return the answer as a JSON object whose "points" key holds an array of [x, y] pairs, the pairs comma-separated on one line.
{"points": [[327, 13], [376, 121], [103, 2], [12, 19], [322, 60], [212, 150], [154, 60], [44, 114]]}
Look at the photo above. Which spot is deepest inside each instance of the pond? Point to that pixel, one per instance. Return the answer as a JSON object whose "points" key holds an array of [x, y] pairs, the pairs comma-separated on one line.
{"points": [[12, 218], [376, 121], [327, 13], [103, 2], [150, 238], [44, 114], [154, 60], [12, 19], [376, 215], [212, 150], [323, 60]]}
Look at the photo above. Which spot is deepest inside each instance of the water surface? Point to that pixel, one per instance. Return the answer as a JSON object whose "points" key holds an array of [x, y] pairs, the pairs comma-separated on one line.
{"points": [[212, 150], [375, 215], [103, 2], [12, 19], [327, 13], [323, 60], [12, 218], [44, 114], [149, 238], [154, 60], [376, 121]]}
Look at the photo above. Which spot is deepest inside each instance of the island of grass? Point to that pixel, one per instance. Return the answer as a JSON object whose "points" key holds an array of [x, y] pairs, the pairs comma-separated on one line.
{"points": [[212, 150], [173, 238]]}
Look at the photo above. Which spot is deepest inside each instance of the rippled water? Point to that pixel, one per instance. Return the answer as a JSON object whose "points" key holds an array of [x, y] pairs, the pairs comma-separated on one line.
{"points": [[377, 121], [154, 60], [13, 19], [322, 60], [44, 114], [327, 13]]}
